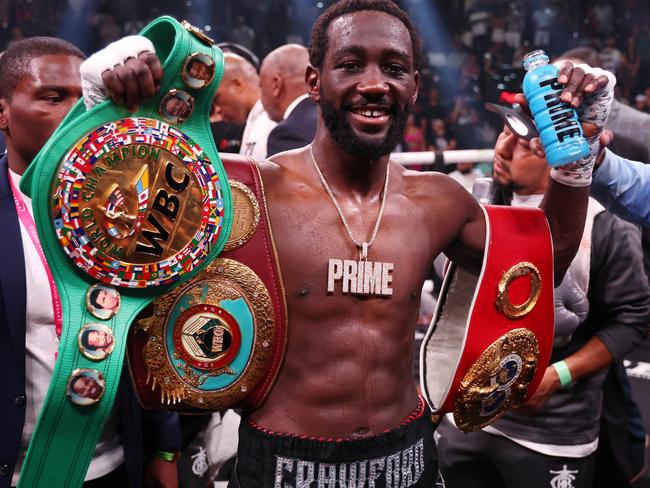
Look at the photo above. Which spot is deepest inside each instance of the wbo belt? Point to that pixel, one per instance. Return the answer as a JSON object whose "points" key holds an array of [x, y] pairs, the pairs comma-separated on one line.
{"points": [[217, 341], [491, 336], [126, 207]]}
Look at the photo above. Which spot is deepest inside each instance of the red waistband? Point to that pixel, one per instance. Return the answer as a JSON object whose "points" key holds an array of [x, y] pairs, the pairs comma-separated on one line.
{"points": [[415, 414]]}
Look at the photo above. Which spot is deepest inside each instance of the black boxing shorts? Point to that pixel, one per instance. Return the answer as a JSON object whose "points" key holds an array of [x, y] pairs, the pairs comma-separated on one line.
{"points": [[401, 457]]}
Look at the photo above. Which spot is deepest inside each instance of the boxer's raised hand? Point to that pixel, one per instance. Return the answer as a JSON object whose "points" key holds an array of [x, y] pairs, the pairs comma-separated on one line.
{"points": [[128, 71], [590, 91], [580, 80], [135, 81]]}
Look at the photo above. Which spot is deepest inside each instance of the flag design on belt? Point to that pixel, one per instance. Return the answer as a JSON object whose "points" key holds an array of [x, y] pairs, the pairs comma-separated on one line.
{"points": [[92, 150], [142, 189], [115, 209]]}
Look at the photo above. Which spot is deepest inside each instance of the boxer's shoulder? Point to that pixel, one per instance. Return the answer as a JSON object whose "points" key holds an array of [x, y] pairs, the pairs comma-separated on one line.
{"points": [[282, 162], [284, 173], [431, 186]]}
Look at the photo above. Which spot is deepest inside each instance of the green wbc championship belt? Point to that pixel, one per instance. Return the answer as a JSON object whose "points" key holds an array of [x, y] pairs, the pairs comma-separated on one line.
{"points": [[126, 206]]}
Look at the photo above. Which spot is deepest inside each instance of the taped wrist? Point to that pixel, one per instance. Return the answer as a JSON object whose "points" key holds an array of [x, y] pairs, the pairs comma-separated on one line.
{"points": [[115, 54], [594, 110], [579, 173]]}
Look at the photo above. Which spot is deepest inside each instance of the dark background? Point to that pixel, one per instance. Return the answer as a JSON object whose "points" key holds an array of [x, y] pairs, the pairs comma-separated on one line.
{"points": [[473, 48]]}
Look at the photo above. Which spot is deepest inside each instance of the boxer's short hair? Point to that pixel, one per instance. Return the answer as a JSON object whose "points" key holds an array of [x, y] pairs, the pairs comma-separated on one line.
{"points": [[15, 62], [319, 41]]}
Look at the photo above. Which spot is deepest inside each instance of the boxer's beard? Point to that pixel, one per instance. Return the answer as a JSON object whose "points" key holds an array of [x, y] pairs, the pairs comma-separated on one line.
{"points": [[339, 126]]}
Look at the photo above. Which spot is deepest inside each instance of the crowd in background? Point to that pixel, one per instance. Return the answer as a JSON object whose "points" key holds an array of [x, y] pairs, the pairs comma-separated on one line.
{"points": [[473, 48]]}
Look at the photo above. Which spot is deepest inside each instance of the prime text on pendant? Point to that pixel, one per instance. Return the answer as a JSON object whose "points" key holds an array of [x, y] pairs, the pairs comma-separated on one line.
{"points": [[360, 277]]}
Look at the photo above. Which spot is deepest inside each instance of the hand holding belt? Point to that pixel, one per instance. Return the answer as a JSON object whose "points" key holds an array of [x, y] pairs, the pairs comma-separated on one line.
{"points": [[130, 202]]}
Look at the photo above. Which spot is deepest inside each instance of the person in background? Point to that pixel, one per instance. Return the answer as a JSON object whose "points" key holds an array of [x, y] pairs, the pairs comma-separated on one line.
{"points": [[413, 136], [438, 137], [237, 101], [602, 313], [466, 174], [285, 99], [39, 83], [629, 70]]}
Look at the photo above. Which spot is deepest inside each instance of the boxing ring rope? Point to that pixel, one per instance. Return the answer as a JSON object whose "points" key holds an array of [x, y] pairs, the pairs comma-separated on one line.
{"points": [[447, 157]]}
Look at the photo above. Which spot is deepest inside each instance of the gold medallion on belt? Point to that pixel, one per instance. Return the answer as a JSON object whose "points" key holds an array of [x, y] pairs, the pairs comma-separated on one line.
{"points": [[137, 203], [210, 341], [497, 380]]}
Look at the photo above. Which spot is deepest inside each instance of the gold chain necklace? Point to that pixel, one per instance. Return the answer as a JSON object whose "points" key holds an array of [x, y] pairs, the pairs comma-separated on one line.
{"points": [[360, 277]]}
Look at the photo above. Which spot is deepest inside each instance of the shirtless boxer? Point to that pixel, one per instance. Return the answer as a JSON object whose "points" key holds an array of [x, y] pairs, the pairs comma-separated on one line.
{"points": [[345, 408]]}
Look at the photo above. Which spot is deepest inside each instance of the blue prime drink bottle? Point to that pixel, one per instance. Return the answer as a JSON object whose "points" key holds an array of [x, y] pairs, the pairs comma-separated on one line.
{"points": [[557, 123]]}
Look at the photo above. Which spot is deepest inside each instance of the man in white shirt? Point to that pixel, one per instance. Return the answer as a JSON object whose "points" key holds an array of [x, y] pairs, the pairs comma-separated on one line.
{"points": [[237, 100], [466, 174]]}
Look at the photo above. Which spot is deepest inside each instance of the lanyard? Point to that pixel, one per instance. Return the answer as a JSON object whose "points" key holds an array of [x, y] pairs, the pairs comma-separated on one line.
{"points": [[28, 222]]}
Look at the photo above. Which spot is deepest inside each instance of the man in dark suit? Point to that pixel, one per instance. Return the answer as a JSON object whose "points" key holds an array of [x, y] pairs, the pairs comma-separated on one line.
{"points": [[285, 99], [39, 84]]}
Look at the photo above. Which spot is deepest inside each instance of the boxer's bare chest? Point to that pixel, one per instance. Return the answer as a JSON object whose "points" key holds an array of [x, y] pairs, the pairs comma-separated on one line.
{"points": [[319, 259], [350, 329]]}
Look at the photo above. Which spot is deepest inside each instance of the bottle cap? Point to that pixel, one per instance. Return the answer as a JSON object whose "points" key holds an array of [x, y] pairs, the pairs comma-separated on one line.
{"points": [[537, 57]]}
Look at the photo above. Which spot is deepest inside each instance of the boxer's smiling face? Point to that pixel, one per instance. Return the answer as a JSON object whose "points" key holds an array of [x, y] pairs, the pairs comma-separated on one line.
{"points": [[368, 83]]}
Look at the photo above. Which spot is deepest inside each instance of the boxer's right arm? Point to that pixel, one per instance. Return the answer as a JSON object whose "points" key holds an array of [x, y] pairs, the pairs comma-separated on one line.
{"points": [[128, 71], [135, 81]]}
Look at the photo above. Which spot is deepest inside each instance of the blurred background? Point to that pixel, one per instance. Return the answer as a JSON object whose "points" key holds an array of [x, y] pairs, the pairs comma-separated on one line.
{"points": [[473, 48]]}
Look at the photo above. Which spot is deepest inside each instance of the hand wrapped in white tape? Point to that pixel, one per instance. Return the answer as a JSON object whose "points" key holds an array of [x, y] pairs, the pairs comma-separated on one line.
{"points": [[115, 54], [593, 113]]}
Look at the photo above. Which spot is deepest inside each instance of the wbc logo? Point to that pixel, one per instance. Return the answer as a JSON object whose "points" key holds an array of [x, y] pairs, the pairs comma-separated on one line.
{"points": [[137, 203]]}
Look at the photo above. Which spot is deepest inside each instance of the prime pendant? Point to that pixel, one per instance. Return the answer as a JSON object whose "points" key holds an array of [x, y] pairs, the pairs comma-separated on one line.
{"points": [[361, 277]]}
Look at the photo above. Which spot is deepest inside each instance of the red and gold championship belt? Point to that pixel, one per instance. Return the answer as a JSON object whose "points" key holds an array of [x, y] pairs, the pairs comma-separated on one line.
{"points": [[491, 336], [217, 342]]}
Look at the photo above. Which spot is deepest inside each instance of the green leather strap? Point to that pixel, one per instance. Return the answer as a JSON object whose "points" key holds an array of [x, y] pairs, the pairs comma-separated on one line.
{"points": [[66, 434]]}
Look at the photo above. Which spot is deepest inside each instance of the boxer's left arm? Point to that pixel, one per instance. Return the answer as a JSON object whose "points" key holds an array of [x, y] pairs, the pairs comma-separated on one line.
{"points": [[565, 201], [566, 209]]}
